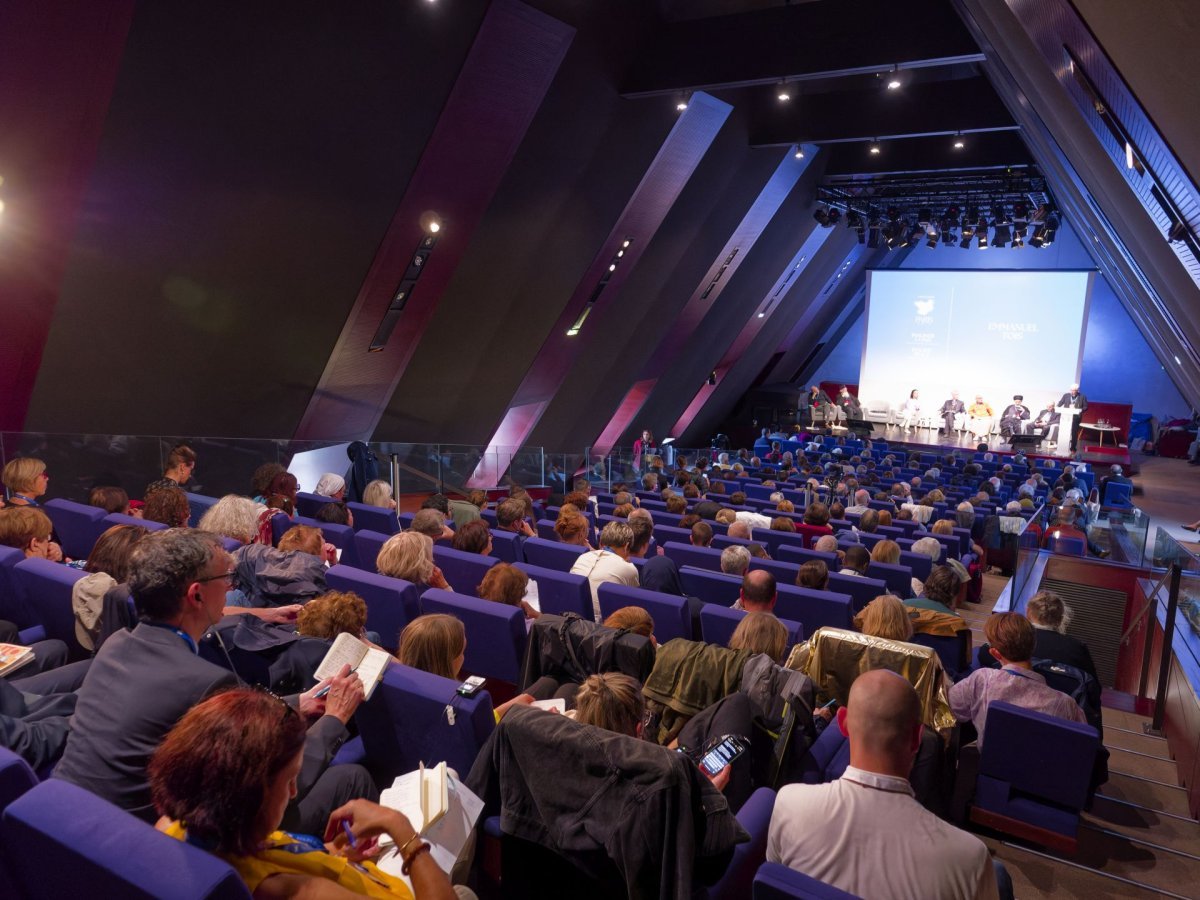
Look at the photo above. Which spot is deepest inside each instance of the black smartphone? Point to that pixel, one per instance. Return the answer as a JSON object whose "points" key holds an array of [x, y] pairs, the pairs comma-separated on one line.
{"points": [[721, 753]]}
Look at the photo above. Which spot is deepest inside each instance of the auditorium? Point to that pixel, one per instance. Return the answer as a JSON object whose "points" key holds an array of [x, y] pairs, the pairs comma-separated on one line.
{"points": [[487, 449]]}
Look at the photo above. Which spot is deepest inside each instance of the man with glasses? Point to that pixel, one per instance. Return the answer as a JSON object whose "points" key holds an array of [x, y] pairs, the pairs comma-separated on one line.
{"points": [[141, 682]]}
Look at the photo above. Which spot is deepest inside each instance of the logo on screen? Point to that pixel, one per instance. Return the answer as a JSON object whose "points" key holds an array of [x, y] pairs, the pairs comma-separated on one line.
{"points": [[924, 306]]}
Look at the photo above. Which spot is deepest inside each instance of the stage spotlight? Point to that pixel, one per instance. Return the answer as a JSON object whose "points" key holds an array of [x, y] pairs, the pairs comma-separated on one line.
{"points": [[948, 226], [890, 235], [799, 154], [1018, 237], [958, 143], [1038, 238], [875, 151], [681, 103], [982, 233], [966, 241], [968, 230], [1002, 235], [835, 216], [782, 94], [1051, 230], [1020, 212], [931, 239], [916, 233], [855, 221], [821, 214]]}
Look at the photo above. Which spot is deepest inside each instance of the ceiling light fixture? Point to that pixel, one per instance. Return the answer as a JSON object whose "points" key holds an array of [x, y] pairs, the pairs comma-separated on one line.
{"points": [[682, 103], [875, 149], [799, 154], [958, 142], [782, 94]]}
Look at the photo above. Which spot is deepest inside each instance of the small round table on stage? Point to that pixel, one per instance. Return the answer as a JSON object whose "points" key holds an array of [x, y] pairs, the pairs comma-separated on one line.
{"points": [[1103, 429]]}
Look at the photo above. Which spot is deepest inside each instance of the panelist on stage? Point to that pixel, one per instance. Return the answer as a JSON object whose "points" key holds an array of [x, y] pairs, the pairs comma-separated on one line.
{"points": [[951, 410], [1046, 422], [911, 409], [642, 448], [847, 405], [981, 414], [1012, 420], [1077, 401], [819, 400]]}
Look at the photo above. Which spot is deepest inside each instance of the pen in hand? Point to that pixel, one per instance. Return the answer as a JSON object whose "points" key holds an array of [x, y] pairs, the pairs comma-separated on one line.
{"points": [[325, 690], [349, 834]]}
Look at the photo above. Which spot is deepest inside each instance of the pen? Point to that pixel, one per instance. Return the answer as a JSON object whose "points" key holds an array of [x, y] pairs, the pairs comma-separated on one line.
{"points": [[349, 834], [325, 690], [829, 704]]}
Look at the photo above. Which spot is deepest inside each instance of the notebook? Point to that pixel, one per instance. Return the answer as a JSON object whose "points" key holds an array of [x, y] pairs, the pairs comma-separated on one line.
{"points": [[365, 661], [13, 657]]}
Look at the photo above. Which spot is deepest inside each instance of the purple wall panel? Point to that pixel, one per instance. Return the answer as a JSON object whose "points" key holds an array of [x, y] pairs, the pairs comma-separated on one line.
{"points": [[510, 67]]}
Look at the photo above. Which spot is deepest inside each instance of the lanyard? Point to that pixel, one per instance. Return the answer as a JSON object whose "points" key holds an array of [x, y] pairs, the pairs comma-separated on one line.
{"points": [[183, 635]]}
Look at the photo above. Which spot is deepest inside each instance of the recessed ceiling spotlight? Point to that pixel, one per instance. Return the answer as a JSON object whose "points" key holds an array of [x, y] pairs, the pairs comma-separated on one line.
{"points": [[958, 143], [682, 103], [782, 94], [893, 83], [875, 150], [799, 154], [431, 222]]}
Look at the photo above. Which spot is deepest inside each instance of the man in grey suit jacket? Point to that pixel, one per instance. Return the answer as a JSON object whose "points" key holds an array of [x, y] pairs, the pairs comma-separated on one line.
{"points": [[143, 681]]}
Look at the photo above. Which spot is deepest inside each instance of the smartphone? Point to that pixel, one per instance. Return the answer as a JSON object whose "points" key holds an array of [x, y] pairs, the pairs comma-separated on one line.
{"points": [[722, 753], [471, 686]]}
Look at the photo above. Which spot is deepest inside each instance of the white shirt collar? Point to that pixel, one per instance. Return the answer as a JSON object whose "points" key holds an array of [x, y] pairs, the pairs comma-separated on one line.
{"points": [[889, 783]]}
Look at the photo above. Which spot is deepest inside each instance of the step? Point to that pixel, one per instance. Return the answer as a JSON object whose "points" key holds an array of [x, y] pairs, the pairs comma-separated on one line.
{"points": [[1174, 832], [1131, 762], [1131, 740], [1037, 875], [1146, 793]]}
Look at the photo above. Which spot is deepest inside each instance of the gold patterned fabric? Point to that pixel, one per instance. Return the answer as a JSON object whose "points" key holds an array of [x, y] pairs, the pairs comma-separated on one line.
{"points": [[834, 657]]}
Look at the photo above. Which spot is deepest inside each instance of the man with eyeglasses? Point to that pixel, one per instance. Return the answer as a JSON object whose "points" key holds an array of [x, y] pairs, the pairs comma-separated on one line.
{"points": [[141, 682]]}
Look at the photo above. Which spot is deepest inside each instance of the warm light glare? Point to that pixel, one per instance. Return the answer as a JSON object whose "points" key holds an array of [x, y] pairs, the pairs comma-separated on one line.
{"points": [[625, 243], [894, 84], [875, 149], [612, 267], [783, 95], [958, 145], [761, 315], [799, 154]]}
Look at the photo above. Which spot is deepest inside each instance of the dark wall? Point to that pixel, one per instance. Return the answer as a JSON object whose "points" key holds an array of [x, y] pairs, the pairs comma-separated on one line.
{"points": [[251, 160]]}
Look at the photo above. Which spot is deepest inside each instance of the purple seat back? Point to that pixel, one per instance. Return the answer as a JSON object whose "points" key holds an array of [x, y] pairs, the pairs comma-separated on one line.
{"points": [[799, 555], [920, 564], [307, 504], [774, 540], [496, 634], [711, 587], [506, 546], [367, 545], [119, 519], [561, 592], [684, 554], [717, 624], [48, 593], [861, 590], [14, 605], [815, 609], [199, 504], [374, 518], [775, 882], [405, 723], [231, 544], [551, 554], [406, 519], [545, 530], [665, 533], [897, 578], [672, 616], [391, 602], [784, 572], [464, 571], [954, 651], [77, 525], [102, 851]]}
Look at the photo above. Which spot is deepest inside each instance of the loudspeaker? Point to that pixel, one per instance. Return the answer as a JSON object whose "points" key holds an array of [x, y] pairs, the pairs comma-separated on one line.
{"points": [[1025, 440], [861, 427]]}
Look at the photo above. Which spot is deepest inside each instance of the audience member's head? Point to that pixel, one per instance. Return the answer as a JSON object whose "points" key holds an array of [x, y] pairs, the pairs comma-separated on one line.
{"points": [[331, 614], [1046, 609], [885, 617], [857, 558], [503, 583], [617, 536], [331, 485], [943, 527], [643, 531], [702, 534], [261, 480], [474, 537], [304, 538], [760, 632], [1011, 636], [816, 514], [688, 521], [739, 530], [783, 523], [432, 523], [435, 644], [813, 574], [27, 529], [176, 575], [631, 618], [826, 543], [167, 505], [738, 498], [928, 546], [109, 499], [232, 517], [869, 521], [477, 498], [943, 585], [758, 591], [676, 505], [113, 549], [572, 528], [758, 551], [611, 701], [407, 555], [886, 551], [378, 493], [334, 514], [882, 719], [735, 560], [509, 514], [181, 460]]}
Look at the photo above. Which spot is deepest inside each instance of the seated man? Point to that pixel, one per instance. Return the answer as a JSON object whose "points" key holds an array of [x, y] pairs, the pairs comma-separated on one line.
{"points": [[758, 593], [865, 833], [142, 681], [610, 564], [431, 522], [735, 560], [1046, 423], [510, 516], [1014, 417], [847, 405], [953, 413], [856, 560], [1011, 638]]}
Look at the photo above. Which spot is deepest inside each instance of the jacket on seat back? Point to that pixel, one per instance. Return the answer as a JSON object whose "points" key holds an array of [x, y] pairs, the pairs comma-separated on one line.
{"points": [[569, 648]]}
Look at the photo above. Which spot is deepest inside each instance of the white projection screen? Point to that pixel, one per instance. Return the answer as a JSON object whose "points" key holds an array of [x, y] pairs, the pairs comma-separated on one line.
{"points": [[995, 333]]}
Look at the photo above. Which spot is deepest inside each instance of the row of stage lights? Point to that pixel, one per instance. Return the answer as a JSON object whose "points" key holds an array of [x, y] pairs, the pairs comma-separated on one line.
{"points": [[896, 230]]}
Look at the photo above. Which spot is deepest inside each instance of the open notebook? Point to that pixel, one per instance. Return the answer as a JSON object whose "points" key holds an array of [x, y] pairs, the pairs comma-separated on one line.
{"points": [[364, 660], [13, 657], [439, 807]]}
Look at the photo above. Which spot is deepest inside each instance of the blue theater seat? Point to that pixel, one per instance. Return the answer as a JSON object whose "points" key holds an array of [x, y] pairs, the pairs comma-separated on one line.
{"points": [[551, 554], [717, 624], [672, 618], [76, 525], [47, 586], [391, 602], [776, 882], [464, 571], [560, 593], [897, 578], [506, 546], [367, 545], [496, 634], [308, 505], [374, 518], [199, 504]]}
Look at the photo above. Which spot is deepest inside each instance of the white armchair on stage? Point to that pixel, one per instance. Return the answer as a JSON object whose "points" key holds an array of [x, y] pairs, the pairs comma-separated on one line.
{"points": [[1067, 426]]}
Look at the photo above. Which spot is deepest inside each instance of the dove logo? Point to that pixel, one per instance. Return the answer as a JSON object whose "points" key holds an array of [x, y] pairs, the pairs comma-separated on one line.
{"points": [[924, 306]]}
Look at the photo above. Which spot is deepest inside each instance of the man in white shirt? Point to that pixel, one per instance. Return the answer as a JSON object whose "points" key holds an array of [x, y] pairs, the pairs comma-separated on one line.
{"points": [[862, 502], [865, 833], [610, 564]]}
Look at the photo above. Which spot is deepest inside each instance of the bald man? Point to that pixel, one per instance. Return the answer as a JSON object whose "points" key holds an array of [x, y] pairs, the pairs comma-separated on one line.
{"points": [[865, 833], [759, 592]]}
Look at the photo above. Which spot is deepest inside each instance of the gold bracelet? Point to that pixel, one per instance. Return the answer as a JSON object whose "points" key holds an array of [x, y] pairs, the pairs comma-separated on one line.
{"points": [[402, 847], [408, 861]]}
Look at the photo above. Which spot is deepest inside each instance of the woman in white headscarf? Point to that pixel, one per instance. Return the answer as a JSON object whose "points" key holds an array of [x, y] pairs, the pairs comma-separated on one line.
{"points": [[332, 486]]}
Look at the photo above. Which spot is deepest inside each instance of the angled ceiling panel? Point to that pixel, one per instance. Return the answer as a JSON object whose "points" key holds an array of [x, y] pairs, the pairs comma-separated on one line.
{"points": [[601, 283], [503, 82], [677, 338]]}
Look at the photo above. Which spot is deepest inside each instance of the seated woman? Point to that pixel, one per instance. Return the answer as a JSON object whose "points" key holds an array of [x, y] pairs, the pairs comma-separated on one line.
{"points": [[238, 518], [925, 546], [409, 556], [112, 500], [331, 614], [221, 780], [281, 494], [167, 505], [378, 493], [26, 480], [783, 523], [332, 486], [474, 537], [573, 528], [334, 514], [814, 575], [98, 610], [760, 632], [634, 619], [817, 517], [437, 643], [886, 551], [506, 584]]}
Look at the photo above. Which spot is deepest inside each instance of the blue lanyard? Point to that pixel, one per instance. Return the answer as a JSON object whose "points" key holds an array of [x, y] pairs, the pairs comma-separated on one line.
{"points": [[184, 636], [29, 501]]}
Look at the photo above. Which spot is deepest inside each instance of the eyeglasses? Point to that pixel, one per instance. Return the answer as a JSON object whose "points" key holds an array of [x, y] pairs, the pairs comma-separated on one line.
{"points": [[228, 576], [288, 710]]}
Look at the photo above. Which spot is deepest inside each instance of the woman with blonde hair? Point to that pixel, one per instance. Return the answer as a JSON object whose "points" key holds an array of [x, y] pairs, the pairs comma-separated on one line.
{"points": [[379, 493], [885, 617], [887, 552], [26, 480], [760, 632], [611, 701], [233, 517], [409, 556]]}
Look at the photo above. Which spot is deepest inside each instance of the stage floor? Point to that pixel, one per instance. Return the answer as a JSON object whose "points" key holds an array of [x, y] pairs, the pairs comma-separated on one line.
{"points": [[931, 438]]}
